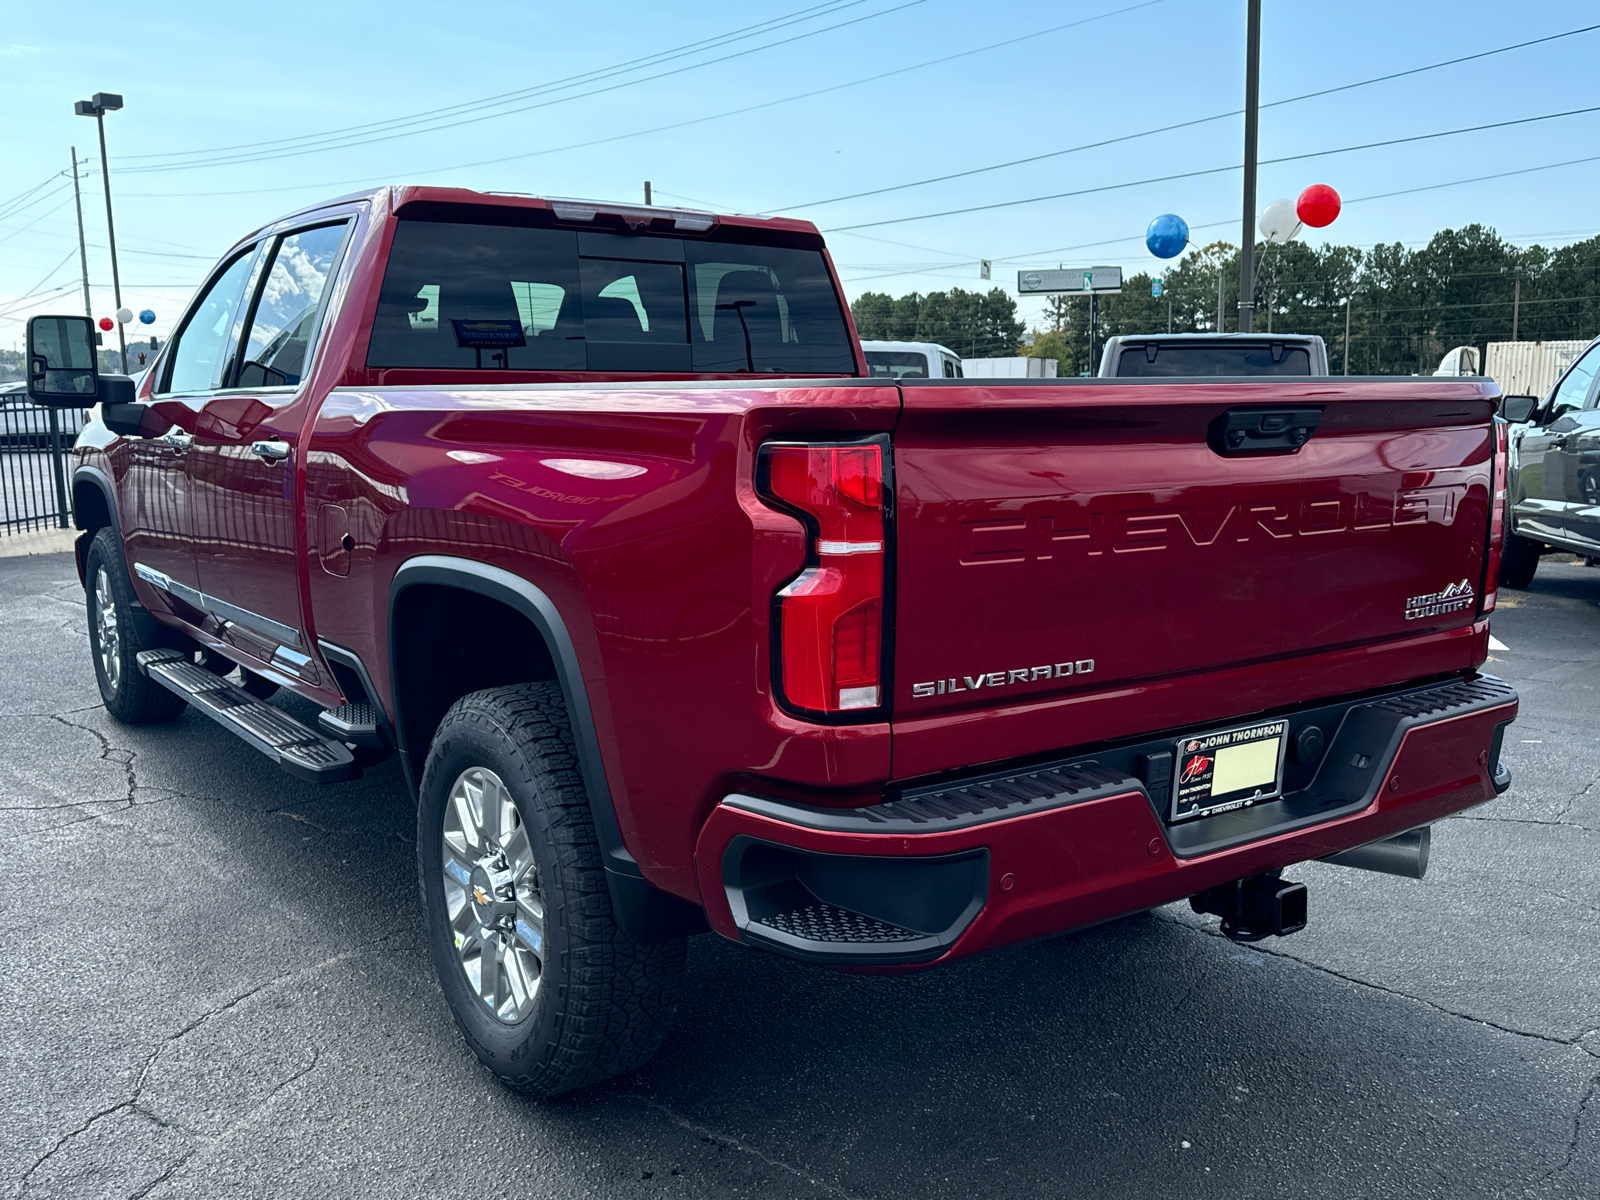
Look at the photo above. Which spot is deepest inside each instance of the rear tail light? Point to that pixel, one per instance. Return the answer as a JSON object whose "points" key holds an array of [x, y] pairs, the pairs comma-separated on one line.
{"points": [[1497, 514], [830, 616]]}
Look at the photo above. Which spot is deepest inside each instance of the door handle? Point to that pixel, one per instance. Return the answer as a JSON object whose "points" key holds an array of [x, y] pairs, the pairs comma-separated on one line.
{"points": [[177, 439], [272, 450]]}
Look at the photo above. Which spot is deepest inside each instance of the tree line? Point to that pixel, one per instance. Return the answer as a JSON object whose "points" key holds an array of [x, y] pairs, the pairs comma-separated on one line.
{"points": [[1407, 308], [973, 324]]}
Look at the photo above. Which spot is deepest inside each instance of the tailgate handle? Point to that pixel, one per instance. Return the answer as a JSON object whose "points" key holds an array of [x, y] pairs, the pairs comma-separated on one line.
{"points": [[1263, 430]]}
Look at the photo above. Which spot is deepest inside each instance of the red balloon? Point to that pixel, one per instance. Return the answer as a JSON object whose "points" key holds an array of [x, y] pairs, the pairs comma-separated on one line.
{"points": [[106, 323], [1318, 205]]}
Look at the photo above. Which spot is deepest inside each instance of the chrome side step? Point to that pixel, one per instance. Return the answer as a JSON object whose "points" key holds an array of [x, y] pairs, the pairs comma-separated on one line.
{"points": [[302, 752]]}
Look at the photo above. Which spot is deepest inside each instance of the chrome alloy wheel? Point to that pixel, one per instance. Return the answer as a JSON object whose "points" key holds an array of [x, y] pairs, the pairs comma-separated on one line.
{"points": [[491, 893], [105, 620]]}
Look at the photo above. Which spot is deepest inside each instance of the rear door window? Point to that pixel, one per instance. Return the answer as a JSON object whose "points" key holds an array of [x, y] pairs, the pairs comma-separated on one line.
{"points": [[463, 296], [285, 316]]}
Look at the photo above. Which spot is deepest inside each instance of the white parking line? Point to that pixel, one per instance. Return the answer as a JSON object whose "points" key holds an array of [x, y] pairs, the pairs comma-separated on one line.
{"points": [[1496, 644]]}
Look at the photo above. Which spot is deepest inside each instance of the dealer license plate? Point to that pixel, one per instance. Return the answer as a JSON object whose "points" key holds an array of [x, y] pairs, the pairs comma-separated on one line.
{"points": [[1228, 769]]}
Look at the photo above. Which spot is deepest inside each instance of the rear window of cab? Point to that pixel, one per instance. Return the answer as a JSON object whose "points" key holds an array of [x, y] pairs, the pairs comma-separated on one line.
{"points": [[469, 296]]}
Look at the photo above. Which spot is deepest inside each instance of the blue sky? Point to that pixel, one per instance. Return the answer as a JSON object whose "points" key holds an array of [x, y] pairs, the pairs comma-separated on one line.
{"points": [[206, 77]]}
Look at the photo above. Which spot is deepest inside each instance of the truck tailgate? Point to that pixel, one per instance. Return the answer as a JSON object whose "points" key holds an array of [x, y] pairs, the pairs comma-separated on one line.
{"points": [[1066, 553]]}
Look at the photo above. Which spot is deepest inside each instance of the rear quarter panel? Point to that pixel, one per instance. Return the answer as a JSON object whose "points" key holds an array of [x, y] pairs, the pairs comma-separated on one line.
{"points": [[634, 510]]}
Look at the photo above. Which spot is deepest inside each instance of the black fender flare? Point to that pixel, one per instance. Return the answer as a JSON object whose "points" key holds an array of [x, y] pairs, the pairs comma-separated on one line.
{"points": [[644, 912], [97, 479], [151, 631]]}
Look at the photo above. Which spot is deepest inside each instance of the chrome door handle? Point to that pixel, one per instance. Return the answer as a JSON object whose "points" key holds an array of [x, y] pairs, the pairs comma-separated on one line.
{"points": [[177, 439], [272, 451]]}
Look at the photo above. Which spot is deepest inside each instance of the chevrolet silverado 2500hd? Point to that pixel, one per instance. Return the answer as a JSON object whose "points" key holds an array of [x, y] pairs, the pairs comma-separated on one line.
{"points": [[676, 617]]}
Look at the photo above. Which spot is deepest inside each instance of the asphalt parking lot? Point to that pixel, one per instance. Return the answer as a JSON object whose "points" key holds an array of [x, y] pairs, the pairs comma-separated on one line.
{"points": [[213, 985]]}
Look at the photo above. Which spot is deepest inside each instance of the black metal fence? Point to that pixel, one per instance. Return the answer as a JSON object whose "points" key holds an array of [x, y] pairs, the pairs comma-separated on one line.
{"points": [[34, 442]]}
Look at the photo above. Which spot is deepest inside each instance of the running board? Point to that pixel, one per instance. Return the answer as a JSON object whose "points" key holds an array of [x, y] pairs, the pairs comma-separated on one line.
{"points": [[302, 752]]}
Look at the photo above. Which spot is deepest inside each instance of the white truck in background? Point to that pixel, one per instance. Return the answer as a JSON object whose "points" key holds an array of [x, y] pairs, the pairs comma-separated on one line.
{"points": [[911, 360], [1009, 368]]}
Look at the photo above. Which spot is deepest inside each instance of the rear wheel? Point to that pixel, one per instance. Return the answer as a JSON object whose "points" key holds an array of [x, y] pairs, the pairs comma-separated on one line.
{"points": [[547, 990], [129, 695], [1519, 561]]}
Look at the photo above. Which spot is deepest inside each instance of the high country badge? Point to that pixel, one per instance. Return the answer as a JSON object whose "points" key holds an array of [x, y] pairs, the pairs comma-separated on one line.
{"points": [[1455, 598]]}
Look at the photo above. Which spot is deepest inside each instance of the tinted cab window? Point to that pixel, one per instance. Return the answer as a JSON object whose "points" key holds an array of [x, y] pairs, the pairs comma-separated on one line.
{"points": [[463, 296], [897, 364], [1174, 359]]}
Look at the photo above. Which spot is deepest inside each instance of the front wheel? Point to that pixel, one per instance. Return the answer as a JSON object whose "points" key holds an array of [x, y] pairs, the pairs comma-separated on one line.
{"points": [[1519, 561], [547, 990], [129, 695]]}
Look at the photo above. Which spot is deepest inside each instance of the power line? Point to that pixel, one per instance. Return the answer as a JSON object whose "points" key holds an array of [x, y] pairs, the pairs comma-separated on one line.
{"points": [[876, 77], [520, 94], [34, 222], [1128, 137], [1111, 187], [348, 142], [27, 294], [1055, 250]]}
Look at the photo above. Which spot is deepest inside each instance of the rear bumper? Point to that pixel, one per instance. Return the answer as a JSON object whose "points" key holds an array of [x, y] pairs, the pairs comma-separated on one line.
{"points": [[939, 874]]}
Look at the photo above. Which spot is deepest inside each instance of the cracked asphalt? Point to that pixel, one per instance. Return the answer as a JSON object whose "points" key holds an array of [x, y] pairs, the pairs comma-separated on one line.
{"points": [[213, 985]]}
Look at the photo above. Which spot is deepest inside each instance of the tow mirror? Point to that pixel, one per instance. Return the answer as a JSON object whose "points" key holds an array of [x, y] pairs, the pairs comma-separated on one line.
{"points": [[63, 366], [1518, 409], [62, 372]]}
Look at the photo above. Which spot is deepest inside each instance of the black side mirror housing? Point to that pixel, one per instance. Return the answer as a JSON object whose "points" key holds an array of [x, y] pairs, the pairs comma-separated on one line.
{"points": [[63, 371], [131, 420], [1518, 409]]}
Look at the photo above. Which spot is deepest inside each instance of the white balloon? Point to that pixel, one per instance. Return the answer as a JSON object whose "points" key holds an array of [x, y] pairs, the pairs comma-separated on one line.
{"points": [[124, 315], [1279, 223]]}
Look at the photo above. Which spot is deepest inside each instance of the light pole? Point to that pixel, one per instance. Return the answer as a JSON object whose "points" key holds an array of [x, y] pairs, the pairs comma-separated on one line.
{"points": [[97, 107]]}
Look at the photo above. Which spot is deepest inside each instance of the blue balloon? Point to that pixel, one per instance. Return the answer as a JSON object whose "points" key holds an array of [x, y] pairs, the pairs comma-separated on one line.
{"points": [[1167, 236], [147, 316]]}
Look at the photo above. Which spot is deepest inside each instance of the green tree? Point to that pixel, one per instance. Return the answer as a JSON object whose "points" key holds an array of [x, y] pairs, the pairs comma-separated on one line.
{"points": [[872, 312], [1051, 343]]}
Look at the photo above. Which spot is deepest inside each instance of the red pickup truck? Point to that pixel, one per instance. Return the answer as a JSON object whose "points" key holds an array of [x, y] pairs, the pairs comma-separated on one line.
{"points": [[676, 618]]}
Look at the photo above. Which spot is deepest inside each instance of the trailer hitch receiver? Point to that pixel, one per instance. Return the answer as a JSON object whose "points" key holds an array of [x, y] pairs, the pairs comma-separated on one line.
{"points": [[1255, 907]]}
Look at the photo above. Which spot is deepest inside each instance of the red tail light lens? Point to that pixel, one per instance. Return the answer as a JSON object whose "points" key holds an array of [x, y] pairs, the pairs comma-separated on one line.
{"points": [[830, 617], [1498, 500]]}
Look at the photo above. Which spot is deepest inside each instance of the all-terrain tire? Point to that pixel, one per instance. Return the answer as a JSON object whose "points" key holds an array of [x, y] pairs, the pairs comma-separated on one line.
{"points": [[130, 696], [1518, 561], [604, 1003]]}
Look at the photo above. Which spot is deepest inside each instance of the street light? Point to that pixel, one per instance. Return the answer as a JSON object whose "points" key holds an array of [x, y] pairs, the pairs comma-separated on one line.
{"points": [[97, 107]]}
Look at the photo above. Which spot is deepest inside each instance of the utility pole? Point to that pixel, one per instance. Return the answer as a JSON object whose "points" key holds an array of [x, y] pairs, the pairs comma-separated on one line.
{"points": [[647, 191], [83, 253], [1093, 316], [1252, 105], [97, 106], [1516, 303], [1221, 328], [1169, 314], [1347, 335]]}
